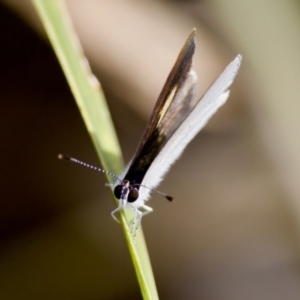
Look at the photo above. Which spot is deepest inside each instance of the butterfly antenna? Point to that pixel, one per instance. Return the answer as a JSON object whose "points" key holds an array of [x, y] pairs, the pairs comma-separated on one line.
{"points": [[170, 198], [76, 161]]}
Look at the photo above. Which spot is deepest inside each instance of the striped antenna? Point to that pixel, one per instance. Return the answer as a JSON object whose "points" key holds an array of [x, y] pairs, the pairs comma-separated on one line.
{"points": [[79, 162], [84, 164]]}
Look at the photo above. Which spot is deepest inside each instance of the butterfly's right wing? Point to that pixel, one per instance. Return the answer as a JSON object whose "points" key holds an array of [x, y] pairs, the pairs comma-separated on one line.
{"points": [[176, 100], [215, 96]]}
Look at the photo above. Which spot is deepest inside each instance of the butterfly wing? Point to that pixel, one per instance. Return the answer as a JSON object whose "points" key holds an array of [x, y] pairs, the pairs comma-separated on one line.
{"points": [[214, 97], [174, 103]]}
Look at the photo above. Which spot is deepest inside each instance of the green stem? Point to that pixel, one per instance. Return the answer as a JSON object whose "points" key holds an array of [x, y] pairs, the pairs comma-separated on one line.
{"points": [[92, 105]]}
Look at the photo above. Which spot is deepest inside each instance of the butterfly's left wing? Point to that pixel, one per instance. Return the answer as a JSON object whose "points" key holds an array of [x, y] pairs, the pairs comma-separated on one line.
{"points": [[214, 97], [174, 103]]}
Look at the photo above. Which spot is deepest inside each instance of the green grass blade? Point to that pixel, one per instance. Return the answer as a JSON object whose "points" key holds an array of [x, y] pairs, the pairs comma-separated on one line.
{"points": [[91, 102]]}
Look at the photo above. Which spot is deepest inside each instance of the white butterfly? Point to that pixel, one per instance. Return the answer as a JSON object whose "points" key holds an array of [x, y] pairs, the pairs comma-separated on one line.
{"points": [[176, 118], [174, 122]]}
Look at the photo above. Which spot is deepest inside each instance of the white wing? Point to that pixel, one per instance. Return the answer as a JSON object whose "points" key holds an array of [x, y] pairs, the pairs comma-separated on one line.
{"points": [[214, 97]]}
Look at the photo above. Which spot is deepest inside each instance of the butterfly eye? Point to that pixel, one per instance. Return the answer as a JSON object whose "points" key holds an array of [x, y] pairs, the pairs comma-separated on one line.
{"points": [[118, 191], [133, 195]]}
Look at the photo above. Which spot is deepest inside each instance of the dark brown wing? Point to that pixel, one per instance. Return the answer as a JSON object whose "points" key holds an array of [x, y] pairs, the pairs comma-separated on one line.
{"points": [[174, 103]]}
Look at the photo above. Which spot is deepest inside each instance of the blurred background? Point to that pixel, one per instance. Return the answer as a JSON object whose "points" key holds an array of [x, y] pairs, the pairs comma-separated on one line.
{"points": [[233, 231]]}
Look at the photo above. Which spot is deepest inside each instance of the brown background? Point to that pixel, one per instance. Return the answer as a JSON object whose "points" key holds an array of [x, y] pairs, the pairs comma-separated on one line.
{"points": [[233, 232]]}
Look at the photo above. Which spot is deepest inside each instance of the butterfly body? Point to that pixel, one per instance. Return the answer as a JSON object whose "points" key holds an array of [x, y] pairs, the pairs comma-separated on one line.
{"points": [[176, 118]]}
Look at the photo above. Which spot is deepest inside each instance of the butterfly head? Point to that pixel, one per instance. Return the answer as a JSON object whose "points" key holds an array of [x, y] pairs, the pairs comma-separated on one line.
{"points": [[126, 191]]}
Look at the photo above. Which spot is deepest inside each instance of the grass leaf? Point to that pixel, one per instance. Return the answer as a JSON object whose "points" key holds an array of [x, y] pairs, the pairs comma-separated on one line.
{"points": [[92, 105]]}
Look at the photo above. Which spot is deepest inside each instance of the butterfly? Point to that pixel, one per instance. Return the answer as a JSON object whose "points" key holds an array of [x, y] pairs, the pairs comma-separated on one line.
{"points": [[176, 119]]}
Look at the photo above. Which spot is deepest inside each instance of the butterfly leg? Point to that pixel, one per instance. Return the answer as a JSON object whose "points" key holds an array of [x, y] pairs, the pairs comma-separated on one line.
{"points": [[134, 226], [119, 208], [109, 184], [136, 217], [147, 210]]}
